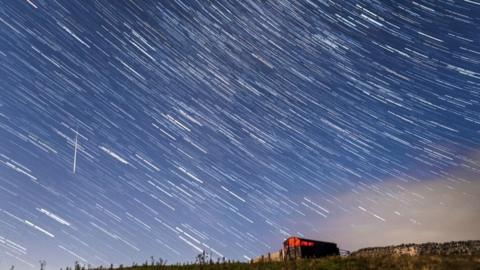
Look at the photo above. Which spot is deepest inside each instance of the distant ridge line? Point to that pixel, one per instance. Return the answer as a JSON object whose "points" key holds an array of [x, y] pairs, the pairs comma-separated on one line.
{"points": [[470, 247]]}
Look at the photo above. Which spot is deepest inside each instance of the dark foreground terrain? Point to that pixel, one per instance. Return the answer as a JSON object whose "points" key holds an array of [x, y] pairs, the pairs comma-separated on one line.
{"points": [[331, 263]]}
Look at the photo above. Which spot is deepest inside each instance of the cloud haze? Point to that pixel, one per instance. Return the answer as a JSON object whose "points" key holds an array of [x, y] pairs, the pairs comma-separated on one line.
{"points": [[394, 212]]}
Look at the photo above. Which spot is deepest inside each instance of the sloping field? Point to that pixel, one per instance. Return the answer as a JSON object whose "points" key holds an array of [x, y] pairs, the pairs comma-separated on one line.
{"points": [[338, 263]]}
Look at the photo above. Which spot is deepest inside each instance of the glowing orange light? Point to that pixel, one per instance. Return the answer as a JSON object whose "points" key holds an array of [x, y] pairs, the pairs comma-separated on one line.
{"points": [[296, 242]]}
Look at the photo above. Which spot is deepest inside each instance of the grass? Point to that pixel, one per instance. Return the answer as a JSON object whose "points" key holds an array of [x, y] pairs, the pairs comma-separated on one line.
{"points": [[338, 263]]}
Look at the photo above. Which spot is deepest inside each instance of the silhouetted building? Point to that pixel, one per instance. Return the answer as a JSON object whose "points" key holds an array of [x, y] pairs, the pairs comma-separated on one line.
{"points": [[298, 248], [295, 248]]}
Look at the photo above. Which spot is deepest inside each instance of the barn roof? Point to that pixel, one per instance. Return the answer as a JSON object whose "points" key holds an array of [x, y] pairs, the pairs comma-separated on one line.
{"points": [[309, 240]]}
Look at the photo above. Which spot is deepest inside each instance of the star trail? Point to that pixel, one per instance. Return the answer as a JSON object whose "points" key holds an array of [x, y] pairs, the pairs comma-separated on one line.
{"points": [[131, 129]]}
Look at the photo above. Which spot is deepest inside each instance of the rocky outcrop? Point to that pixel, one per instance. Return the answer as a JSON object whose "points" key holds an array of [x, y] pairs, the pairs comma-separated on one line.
{"points": [[440, 249]]}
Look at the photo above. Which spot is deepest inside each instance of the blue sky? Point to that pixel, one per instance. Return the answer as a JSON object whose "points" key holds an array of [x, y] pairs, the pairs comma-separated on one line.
{"points": [[228, 126]]}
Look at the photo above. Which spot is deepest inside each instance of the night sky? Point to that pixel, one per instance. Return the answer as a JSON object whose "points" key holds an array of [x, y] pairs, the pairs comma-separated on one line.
{"points": [[131, 129]]}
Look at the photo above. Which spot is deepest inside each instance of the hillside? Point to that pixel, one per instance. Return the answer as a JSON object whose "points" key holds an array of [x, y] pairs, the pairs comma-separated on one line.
{"points": [[338, 263], [450, 255]]}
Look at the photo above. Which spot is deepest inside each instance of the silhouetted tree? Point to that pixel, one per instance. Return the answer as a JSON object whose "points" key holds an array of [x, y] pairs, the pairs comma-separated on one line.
{"points": [[161, 262], [43, 263], [201, 258], [152, 259]]}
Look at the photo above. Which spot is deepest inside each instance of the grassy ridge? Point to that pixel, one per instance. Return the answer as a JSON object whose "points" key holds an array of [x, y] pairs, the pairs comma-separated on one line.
{"points": [[339, 263]]}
